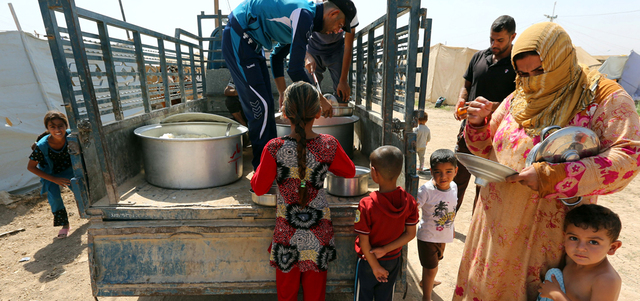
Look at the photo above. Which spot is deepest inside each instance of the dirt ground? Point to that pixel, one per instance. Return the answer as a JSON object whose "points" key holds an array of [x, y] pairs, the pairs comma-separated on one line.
{"points": [[58, 269]]}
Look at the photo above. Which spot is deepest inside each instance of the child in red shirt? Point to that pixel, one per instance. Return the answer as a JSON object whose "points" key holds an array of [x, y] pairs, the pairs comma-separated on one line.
{"points": [[385, 221], [303, 241]]}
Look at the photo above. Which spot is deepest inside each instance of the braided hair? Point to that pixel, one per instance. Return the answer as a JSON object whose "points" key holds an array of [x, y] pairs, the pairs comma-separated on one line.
{"points": [[301, 105]]}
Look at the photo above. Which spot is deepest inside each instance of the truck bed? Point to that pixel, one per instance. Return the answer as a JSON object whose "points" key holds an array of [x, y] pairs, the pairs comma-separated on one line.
{"points": [[137, 192]]}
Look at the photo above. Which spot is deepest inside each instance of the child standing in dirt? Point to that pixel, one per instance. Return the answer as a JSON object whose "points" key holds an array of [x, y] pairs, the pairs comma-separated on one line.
{"points": [[303, 240], [424, 136], [438, 199], [51, 162], [591, 233], [385, 221]]}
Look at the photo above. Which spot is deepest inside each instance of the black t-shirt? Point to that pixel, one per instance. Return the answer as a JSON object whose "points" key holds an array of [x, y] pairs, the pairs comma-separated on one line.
{"points": [[492, 81], [60, 158]]}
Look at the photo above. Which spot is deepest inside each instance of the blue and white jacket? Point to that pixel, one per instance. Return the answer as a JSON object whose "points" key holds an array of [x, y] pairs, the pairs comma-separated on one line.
{"points": [[289, 23]]}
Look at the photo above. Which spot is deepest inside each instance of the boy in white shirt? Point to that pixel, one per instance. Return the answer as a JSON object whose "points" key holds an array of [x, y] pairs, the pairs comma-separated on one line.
{"points": [[438, 199]]}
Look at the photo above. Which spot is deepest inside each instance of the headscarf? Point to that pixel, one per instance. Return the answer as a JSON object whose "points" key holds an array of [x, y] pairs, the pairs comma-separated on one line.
{"points": [[564, 89]]}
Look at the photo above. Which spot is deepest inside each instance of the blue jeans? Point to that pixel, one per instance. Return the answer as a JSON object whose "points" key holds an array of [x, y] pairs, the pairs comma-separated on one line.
{"points": [[55, 198]]}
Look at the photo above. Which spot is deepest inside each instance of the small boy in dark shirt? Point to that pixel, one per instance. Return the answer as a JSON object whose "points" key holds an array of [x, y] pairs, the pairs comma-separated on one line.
{"points": [[385, 221]]}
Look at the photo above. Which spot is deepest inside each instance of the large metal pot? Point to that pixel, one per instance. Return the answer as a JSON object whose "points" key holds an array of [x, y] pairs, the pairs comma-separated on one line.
{"points": [[349, 187], [192, 163], [339, 127]]}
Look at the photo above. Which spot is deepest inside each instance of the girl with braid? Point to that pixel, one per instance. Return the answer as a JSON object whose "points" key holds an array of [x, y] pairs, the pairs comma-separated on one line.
{"points": [[303, 241]]}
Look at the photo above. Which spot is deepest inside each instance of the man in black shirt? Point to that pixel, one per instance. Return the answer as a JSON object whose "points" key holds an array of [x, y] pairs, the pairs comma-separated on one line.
{"points": [[490, 76]]}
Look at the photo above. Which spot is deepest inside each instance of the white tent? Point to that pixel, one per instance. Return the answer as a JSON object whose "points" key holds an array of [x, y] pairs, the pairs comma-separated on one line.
{"points": [[447, 65], [28, 89], [613, 66]]}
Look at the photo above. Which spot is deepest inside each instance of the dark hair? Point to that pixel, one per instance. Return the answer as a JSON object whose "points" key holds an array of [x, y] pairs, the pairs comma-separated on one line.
{"points": [[301, 105], [52, 115], [443, 156], [522, 55], [504, 22], [387, 160], [595, 217]]}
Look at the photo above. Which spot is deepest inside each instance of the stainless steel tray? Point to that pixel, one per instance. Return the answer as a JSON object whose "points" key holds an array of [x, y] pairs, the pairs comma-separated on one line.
{"points": [[485, 171]]}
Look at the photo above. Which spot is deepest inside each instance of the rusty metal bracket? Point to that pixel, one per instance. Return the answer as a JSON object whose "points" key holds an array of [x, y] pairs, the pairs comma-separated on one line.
{"points": [[397, 126], [84, 129]]}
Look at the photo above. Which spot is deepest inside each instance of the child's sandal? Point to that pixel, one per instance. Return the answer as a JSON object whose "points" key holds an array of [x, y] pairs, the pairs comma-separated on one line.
{"points": [[63, 233]]}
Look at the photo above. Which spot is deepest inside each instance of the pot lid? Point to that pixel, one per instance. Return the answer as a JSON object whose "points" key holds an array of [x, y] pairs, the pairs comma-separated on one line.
{"points": [[567, 144], [197, 117]]}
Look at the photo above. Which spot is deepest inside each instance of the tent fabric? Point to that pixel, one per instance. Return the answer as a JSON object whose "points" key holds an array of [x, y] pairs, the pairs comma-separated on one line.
{"points": [[630, 78], [613, 66], [447, 65], [24, 102], [586, 59]]}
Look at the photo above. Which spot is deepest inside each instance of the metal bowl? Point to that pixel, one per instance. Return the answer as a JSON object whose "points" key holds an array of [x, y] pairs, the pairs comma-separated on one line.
{"points": [[348, 187], [485, 171], [267, 199]]}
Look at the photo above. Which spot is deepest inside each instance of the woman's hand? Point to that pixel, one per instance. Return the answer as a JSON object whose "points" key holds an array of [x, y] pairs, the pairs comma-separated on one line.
{"points": [[478, 110], [527, 177], [325, 105]]}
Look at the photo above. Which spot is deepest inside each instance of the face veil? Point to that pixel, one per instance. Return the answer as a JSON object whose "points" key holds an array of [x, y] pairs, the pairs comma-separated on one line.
{"points": [[565, 87]]}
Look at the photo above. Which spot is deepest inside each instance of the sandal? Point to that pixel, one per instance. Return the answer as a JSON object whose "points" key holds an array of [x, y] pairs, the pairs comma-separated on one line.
{"points": [[64, 232]]}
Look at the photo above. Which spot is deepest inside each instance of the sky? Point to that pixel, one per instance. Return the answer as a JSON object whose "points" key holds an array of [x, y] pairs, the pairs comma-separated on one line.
{"points": [[599, 27]]}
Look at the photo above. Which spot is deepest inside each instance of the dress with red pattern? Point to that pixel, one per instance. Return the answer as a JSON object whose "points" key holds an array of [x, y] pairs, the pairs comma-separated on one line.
{"points": [[303, 236], [515, 234]]}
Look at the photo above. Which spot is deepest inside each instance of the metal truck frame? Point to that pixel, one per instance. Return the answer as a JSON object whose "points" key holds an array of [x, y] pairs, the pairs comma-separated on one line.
{"points": [[145, 240]]}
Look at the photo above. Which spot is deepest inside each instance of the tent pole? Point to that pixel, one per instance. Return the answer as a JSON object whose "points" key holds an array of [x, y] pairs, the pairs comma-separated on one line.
{"points": [[46, 99]]}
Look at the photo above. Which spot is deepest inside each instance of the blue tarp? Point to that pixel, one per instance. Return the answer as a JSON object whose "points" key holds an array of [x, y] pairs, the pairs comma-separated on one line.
{"points": [[630, 79]]}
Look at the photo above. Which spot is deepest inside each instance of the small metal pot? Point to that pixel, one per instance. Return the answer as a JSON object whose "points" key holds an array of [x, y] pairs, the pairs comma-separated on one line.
{"points": [[348, 187], [567, 144], [564, 145], [267, 199]]}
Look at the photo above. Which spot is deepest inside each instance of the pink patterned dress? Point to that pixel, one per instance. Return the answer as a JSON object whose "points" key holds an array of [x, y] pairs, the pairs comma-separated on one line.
{"points": [[516, 233]]}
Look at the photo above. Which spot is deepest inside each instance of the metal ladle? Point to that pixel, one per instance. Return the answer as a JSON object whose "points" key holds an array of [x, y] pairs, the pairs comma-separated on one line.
{"points": [[226, 133]]}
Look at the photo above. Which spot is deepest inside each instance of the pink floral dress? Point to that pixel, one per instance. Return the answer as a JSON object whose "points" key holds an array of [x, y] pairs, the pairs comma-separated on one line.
{"points": [[516, 233]]}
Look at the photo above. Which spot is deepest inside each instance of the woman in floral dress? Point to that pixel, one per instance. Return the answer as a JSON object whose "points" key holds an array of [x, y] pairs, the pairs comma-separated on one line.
{"points": [[516, 231]]}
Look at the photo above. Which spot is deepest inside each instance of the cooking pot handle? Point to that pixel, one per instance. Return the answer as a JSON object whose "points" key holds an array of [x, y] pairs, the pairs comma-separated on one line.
{"points": [[571, 204], [546, 130]]}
